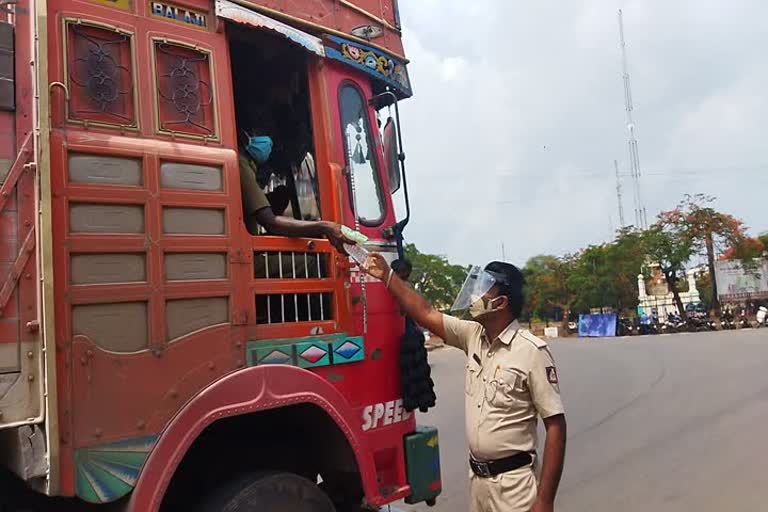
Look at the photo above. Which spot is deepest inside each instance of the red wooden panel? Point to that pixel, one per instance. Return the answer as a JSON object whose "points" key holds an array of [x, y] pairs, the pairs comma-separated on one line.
{"points": [[183, 243], [9, 328], [109, 194], [12, 308], [343, 16], [107, 293], [128, 395], [290, 330], [270, 286], [184, 88], [8, 226], [100, 75], [9, 246], [7, 136]]}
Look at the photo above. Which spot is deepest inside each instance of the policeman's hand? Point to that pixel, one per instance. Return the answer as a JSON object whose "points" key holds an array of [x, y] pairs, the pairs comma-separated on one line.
{"points": [[333, 233], [377, 266], [543, 506]]}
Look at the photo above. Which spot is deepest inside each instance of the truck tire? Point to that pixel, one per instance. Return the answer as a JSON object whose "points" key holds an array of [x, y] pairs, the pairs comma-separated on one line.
{"points": [[269, 492]]}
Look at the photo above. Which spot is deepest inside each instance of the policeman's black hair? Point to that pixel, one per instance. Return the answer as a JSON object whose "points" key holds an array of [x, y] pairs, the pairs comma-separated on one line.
{"points": [[511, 283]]}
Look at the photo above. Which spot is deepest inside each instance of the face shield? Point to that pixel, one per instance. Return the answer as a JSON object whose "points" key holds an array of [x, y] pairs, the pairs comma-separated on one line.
{"points": [[478, 283]]}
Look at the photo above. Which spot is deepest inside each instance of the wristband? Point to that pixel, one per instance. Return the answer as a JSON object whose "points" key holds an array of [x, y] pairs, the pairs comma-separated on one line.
{"points": [[389, 277]]}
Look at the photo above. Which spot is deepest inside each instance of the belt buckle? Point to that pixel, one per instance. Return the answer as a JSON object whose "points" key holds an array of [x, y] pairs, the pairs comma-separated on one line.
{"points": [[482, 468]]}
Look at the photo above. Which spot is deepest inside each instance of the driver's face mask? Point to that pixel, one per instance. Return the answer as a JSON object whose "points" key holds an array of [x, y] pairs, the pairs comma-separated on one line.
{"points": [[259, 148]]}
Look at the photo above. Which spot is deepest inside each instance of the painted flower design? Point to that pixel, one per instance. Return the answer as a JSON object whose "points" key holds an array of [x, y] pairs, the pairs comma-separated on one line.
{"points": [[372, 62], [353, 52]]}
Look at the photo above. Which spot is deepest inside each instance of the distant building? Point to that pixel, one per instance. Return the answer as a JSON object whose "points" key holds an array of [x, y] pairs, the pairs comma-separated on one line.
{"points": [[659, 297]]}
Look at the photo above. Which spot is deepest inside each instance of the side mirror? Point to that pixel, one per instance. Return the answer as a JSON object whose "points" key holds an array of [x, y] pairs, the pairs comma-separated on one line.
{"points": [[391, 156]]}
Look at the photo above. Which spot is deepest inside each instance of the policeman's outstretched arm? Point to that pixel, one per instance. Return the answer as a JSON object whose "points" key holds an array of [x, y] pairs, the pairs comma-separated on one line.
{"points": [[412, 303], [552, 467]]}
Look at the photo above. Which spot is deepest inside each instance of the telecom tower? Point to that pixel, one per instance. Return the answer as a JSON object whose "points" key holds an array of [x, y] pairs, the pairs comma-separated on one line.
{"points": [[641, 219], [618, 195]]}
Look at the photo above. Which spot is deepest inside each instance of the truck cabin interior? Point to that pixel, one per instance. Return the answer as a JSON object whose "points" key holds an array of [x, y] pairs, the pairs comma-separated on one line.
{"points": [[271, 94]]}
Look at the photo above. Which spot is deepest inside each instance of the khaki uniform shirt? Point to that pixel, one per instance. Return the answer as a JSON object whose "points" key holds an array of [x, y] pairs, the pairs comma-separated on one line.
{"points": [[509, 381], [254, 198]]}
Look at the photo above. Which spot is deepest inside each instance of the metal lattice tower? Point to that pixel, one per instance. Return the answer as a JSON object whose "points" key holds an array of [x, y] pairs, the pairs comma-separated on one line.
{"points": [[641, 219], [618, 195]]}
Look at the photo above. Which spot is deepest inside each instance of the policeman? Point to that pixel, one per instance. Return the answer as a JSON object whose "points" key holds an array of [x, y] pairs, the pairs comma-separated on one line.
{"points": [[510, 381]]}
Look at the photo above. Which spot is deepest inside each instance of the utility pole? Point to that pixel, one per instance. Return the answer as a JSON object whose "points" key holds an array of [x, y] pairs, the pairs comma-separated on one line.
{"points": [[641, 219], [618, 194]]}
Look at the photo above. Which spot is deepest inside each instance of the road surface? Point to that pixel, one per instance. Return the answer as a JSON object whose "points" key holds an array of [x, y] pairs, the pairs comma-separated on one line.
{"points": [[662, 423]]}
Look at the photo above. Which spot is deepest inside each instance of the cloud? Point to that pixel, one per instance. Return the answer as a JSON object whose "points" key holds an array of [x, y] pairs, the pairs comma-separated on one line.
{"points": [[518, 115]]}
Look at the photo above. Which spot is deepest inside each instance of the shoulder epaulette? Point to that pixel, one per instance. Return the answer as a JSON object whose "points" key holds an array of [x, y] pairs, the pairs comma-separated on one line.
{"points": [[537, 342]]}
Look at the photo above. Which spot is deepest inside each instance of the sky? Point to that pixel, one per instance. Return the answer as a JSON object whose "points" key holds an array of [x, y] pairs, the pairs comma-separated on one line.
{"points": [[518, 115]]}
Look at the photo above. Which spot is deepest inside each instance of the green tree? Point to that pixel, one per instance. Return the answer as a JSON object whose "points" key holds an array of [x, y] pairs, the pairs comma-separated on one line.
{"points": [[590, 278], [626, 258], [534, 271], [704, 285], [606, 275], [709, 231], [747, 249], [667, 244], [435, 277], [551, 284]]}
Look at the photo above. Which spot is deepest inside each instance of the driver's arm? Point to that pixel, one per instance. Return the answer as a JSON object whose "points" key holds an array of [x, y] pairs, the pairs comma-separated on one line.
{"points": [[257, 209], [288, 226]]}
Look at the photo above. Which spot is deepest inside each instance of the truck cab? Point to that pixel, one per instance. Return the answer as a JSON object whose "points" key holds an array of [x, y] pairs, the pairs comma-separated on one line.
{"points": [[158, 349]]}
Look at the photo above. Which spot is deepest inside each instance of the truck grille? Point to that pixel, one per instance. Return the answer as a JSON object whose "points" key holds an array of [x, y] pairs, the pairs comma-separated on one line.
{"points": [[282, 308], [290, 265]]}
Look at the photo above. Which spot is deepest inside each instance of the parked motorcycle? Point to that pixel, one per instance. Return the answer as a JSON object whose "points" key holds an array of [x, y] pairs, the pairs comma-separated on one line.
{"points": [[762, 317], [673, 324], [649, 324], [743, 321], [698, 322], [624, 327], [727, 320]]}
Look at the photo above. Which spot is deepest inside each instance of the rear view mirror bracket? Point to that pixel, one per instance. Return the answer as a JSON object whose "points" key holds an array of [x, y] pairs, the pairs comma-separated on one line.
{"points": [[379, 101]]}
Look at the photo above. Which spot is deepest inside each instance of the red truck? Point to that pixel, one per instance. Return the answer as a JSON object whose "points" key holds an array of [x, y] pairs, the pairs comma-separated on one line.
{"points": [[155, 354]]}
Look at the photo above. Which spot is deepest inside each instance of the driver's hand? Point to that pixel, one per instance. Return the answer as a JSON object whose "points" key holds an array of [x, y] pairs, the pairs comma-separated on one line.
{"points": [[377, 266], [334, 235]]}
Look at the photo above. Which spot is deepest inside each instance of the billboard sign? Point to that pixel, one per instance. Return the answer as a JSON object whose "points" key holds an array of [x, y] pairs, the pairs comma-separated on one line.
{"points": [[736, 283]]}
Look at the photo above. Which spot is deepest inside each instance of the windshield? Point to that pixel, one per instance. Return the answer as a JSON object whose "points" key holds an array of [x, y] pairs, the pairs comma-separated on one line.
{"points": [[364, 182]]}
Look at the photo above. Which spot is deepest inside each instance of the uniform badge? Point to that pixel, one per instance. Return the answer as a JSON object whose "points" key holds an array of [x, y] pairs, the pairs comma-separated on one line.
{"points": [[552, 374]]}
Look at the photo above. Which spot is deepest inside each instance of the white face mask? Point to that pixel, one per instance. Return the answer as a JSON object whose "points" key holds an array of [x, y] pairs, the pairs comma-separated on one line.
{"points": [[479, 308]]}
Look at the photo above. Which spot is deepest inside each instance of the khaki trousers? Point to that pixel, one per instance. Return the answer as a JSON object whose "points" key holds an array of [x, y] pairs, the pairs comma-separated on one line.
{"points": [[514, 491]]}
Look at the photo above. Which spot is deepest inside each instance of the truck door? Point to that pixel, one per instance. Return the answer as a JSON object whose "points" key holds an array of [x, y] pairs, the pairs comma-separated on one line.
{"points": [[367, 206]]}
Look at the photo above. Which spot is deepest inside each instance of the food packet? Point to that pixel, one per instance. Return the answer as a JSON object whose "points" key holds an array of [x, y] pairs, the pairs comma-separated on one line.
{"points": [[353, 235]]}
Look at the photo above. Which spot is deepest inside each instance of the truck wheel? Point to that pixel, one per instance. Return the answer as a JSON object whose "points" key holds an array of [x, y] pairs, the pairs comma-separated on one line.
{"points": [[269, 492]]}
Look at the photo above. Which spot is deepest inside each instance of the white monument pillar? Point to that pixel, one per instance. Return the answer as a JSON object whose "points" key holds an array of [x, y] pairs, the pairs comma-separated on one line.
{"points": [[691, 275]]}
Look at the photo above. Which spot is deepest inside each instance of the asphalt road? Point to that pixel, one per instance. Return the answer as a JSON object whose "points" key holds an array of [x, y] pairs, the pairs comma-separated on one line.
{"points": [[662, 423]]}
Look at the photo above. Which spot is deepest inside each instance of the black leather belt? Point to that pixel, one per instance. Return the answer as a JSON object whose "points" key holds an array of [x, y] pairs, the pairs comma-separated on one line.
{"points": [[496, 467]]}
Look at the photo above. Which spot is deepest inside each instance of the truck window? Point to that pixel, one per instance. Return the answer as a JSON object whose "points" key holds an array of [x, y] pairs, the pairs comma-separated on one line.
{"points": [[364, 181], [271, 92]]}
